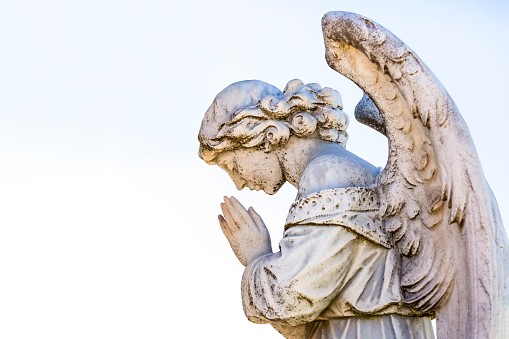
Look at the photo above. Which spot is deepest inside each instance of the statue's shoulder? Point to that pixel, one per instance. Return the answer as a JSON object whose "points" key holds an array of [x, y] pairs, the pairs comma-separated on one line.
{"points": [[336, 171]]}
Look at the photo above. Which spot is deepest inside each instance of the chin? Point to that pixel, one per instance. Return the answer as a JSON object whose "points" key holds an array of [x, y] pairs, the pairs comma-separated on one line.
{"points": [[272, 190]]}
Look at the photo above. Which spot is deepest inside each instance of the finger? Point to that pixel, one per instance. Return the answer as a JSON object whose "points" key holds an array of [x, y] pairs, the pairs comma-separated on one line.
{"points": [[228, 217], [256, 217], [227, 232], [241, 209], [236, 213], [224, 226]]}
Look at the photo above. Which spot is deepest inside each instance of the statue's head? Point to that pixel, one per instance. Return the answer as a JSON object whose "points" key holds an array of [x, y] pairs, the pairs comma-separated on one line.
{"points": [[253, 117]]}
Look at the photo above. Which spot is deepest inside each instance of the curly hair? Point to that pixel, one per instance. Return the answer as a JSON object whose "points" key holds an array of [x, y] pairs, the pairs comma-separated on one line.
{"points": [[253, 113]]}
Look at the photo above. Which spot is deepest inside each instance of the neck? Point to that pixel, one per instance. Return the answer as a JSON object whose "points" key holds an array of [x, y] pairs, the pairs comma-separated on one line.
{"points": [[299, 152]]}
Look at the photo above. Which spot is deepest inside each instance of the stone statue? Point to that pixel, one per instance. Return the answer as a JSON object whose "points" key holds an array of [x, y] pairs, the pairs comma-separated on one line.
{"points": [[366, 253]]}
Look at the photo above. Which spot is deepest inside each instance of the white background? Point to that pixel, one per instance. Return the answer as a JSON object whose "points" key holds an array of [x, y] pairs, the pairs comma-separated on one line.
{"points": [[108, 218]]}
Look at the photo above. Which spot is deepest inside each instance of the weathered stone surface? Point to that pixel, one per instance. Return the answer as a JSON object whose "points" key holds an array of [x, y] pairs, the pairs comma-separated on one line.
{"points": [[365, 253]]}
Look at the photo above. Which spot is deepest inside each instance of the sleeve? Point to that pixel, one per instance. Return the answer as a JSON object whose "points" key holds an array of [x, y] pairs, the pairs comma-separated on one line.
{"points": [[297, 283]]}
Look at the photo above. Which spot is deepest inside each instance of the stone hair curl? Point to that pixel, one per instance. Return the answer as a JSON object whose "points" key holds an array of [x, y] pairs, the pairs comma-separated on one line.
{"points": [[301, 109]]}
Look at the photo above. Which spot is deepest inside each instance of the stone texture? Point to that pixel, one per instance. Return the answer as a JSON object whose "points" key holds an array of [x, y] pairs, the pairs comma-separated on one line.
{"points": [[365, 253]]}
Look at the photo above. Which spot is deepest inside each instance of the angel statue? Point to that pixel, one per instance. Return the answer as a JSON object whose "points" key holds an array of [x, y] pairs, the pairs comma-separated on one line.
{"points": [[366, 253]]}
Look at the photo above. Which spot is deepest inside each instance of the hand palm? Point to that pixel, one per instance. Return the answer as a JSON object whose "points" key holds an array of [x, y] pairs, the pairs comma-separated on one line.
{"points": [[245, 230]]}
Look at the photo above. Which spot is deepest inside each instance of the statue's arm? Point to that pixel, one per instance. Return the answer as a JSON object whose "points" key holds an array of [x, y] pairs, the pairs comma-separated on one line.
{"points": [[295, 285]]}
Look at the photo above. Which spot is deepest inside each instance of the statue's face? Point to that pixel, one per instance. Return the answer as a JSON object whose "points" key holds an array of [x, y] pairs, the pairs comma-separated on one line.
{"points": [[253, 168]]}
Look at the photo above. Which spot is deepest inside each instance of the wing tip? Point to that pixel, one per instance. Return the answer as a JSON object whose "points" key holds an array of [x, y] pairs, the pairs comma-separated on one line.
{"points": [[367, 113]]}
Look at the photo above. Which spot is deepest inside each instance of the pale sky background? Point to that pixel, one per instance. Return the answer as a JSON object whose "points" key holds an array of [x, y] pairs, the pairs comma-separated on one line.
{"points": [[108, 222]]}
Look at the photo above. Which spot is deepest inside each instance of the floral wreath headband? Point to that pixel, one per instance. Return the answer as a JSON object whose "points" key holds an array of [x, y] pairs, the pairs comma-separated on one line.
{"points": [[255, 114]]}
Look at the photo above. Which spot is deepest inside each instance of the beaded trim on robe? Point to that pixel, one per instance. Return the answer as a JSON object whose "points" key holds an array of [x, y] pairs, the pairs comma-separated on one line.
{"points": [[355, 208]]}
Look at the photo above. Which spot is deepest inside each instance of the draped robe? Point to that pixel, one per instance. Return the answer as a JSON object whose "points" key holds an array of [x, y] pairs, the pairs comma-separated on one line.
{"points": [[337, 274]]}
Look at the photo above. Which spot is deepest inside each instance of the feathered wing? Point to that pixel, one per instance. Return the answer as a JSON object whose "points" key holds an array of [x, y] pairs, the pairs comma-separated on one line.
{"points": [[434, 197]]}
